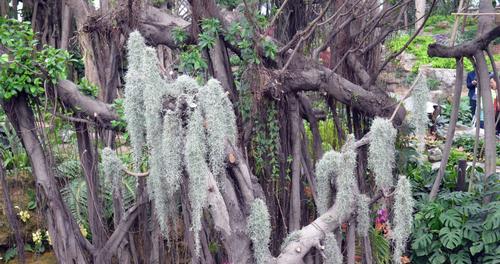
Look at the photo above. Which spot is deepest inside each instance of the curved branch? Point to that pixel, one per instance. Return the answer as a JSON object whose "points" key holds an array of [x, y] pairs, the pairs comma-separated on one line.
{"points": [[467, 49], [69, 94]]}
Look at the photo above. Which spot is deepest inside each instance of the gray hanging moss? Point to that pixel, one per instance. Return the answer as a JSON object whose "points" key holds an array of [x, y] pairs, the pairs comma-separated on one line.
{"points": [[294, 236], [197, 168], [259, 231], [346, 180], [332, 250], [112, 167], [219, 122], [403, 217], [363, 214], [154, 89], [324, 176], [381, 153], [164, 194], [174, 120], [419, 118], [133, 104]]}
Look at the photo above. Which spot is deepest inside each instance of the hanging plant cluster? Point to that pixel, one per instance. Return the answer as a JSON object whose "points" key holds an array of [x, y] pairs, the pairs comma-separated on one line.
{"points": [[339, 167], [182, 127]]}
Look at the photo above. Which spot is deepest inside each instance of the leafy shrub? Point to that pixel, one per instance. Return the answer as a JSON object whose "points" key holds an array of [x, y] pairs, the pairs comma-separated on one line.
{"points": [[464, 114], [22, 66], [458, 228], [466, 142]]}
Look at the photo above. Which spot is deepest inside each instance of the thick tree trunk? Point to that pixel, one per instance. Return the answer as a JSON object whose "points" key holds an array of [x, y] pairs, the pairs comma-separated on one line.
{"points": [[68, 243]]}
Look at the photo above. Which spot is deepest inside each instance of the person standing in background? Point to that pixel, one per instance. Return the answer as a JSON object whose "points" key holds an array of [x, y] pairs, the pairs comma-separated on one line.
{"points": [[472, 85]]}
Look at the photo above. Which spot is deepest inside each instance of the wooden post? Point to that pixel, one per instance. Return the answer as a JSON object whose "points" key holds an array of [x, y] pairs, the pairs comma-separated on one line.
{"points": [[455, 25], [461, 171]]}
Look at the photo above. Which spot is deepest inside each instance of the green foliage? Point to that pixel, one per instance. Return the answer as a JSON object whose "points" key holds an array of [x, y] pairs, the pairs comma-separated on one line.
{"points": [[13, 153], [74, 192], [418, 48], [270, 49], [23, 67], [259, 230], [120, 123], [179, 35], [458, 228], [380, 247], [9, 255], [191, 61], [88, 88], [266, 142], [464, 114]]}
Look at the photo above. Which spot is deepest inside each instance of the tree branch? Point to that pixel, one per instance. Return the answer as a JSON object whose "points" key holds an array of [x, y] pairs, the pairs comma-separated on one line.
{"points": [[467, 49]]}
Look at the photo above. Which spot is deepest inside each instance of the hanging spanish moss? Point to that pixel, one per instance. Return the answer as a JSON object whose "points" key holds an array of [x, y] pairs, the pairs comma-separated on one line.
{"points": [[186, 127], [419, 118], [382, 152], [133, 103], [363, 214], [332, 250], [220, 123], [403, 218], [112, 167], [346, 180], [324, 177], [197, 168], [259, 231]]}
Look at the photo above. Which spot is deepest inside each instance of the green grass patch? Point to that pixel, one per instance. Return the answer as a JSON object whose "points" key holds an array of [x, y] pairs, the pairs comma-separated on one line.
{"points": [[418, 48]]}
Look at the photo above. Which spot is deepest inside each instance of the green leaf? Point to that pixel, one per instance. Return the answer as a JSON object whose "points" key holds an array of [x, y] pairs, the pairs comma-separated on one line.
{"points": [[460, 258], [451, 238], [476, 248], [492, 221], [490, 259], [422, 242], [451, 218], [4, 58], [471, 231], [437, 258], [491, 236]]}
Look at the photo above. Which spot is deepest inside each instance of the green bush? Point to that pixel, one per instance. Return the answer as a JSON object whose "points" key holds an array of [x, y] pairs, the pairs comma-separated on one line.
{"points": [[464, 114], [458, 228]]}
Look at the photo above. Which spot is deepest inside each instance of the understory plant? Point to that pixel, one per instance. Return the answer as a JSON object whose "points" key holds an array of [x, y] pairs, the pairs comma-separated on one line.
{"points": [[459, 227]]}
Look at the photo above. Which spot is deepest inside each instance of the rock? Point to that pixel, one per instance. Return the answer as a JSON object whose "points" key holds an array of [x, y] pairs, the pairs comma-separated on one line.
{"points": [[443, 79], [435, 154], [407, 60], [443, 25], [437, 97]]}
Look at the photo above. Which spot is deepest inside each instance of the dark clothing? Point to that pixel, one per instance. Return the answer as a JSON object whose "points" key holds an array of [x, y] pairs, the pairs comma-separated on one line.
{"points": [[471, 76], [472, 105]]}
